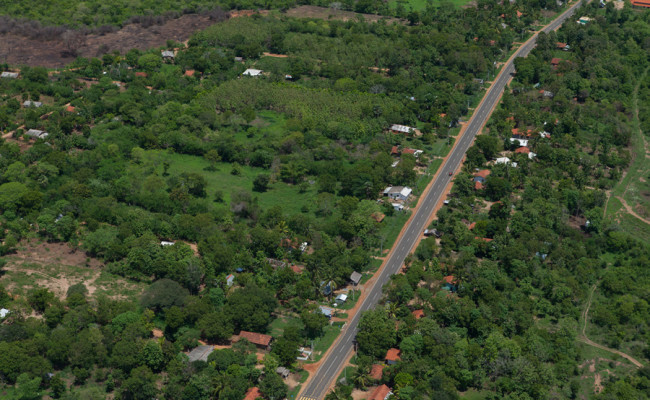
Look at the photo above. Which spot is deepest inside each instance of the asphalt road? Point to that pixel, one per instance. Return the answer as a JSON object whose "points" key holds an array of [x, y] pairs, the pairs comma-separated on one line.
{"points": [[321, 381]]}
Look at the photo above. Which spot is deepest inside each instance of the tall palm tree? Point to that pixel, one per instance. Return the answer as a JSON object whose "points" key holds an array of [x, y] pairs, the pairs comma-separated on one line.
{"points": [[362, 377]]}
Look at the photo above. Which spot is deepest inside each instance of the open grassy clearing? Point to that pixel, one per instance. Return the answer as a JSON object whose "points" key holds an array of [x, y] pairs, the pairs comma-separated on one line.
{"points": [[634, 188]]}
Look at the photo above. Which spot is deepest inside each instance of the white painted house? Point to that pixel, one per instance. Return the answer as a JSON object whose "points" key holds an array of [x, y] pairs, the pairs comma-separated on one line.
{"points": [[398, 192], [252, 72]]}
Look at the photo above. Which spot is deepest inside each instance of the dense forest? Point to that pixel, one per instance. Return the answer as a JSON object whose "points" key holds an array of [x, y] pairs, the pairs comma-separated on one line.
{"points": [[523, 253]]}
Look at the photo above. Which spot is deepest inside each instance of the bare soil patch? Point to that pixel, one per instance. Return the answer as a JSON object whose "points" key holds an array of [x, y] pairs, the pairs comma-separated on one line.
{"points": [[32, 251], [21, 50]]}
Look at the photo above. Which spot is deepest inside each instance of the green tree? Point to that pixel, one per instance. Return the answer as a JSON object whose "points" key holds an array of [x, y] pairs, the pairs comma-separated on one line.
{"points": [[376, 333], [28, 388], [141, 385], [272, 386]]}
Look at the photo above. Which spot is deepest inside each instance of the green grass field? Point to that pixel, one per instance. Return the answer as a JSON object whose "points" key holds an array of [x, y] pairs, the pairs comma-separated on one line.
{"points": [[324, 342], [634, 188]]}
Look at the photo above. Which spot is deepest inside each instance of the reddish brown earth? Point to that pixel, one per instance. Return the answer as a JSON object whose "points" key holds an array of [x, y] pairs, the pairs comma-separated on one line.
{"points": [[21, 50]]}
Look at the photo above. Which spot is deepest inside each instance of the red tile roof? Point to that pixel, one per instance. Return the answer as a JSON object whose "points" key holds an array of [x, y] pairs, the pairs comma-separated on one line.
{"points": [[189, 72], [522, 150], [393, 355], [641, 3], [418, 313], [478, 186], [484, 173], [408, 151], [256, 338], [380, 393], [449, 279], [394, 150], [519, 13], [253, 393], [377, 371], [472, 226], [483, 239], [70, 109], [555, 61], [141, 74], [297, 268], [560, 45]]}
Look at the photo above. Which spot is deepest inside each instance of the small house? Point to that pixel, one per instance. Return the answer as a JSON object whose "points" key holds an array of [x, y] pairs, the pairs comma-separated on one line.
{"points": [[547, 94], [562, 46], [239, 59], [398, 192], [394, 151], [450, 283], [382, 392], [230, 280], [30, 103], [522, 142], [506, 161], [4, 312], [522, 150], [401, 129], [165, 243], [167, 55], [200, 353], [481, 175], [418, 314], [545, 135], [252, 72], [298, 269], [189, 73], [415, 152], [585, 20], [392, 356], [36, 134], [326, 311], [283, 372], [253, 394], [9, 75], [341, 298], [141, 75], [397, 206], [555, 62], [70, 109], [258, 339], [355, 278]]}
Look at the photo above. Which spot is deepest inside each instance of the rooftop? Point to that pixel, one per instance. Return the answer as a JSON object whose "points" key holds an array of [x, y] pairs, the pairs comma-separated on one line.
{"points": [[376, 372], [393, 355], [256, 338], [253, 393], [381, 393]]}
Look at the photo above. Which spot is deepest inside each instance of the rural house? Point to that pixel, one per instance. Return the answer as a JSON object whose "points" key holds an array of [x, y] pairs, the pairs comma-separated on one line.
{"points": [[282, 371], [481, 175], [230, 279], [417, 314], [398, 192], [355, 278], [252, 72], [392, 356], [35, 104], [382, 392], [200, 353], [258, 339], [397, 129], [167, 55], [36, 134], [326, 311], [9, 75]]}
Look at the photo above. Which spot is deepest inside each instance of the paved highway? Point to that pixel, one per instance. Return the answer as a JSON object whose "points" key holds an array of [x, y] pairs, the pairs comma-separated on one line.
{"points": [[318, 385]]}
